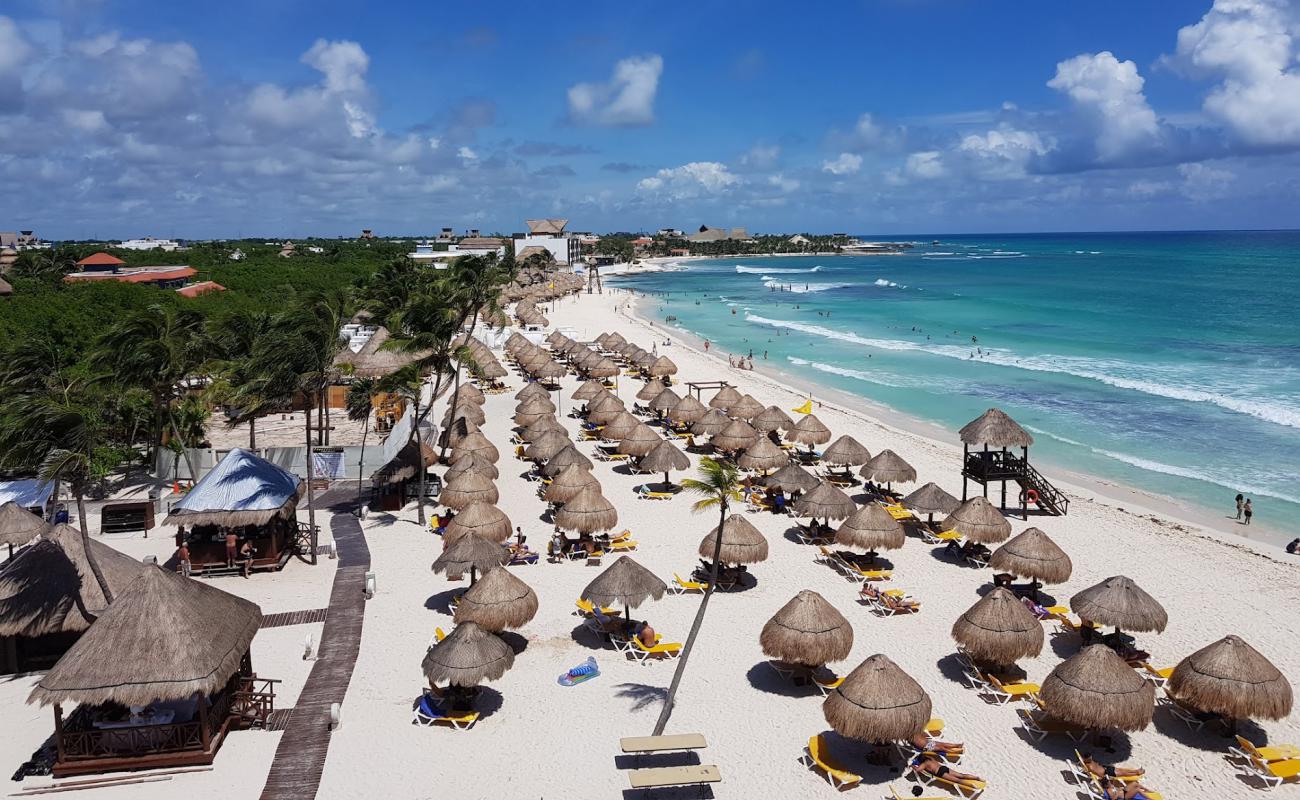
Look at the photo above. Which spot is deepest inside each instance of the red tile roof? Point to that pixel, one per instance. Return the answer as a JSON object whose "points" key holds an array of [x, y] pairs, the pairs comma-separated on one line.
{"points": [[101, 260], [143, 275], [202, 287]]}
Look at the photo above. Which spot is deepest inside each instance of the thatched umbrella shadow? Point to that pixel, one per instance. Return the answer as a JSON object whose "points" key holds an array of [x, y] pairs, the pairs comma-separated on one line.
{"points": [[1044, 599], [487, 702], [441, 601], [953, 668], [517, 641], [1210, 738], [762, 677], [586, 637]]}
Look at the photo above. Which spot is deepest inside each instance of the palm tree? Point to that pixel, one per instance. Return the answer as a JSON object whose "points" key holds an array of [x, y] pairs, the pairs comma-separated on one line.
{"points": [[719, 486], [360, 405], [233, 341]]}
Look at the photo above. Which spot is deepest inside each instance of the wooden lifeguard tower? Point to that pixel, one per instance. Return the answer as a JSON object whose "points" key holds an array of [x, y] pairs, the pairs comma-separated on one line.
{"points": [[994, 429]]}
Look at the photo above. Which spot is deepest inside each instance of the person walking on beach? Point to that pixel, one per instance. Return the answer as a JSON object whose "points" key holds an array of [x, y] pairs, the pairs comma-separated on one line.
{"points": [[1241, 501], [183, 556], [1248, 511], [706, 345]]}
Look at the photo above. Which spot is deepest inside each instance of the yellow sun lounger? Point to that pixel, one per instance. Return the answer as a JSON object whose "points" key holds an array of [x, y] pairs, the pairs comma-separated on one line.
{"points": [[438, 634], [816, 756], [1157, 676], [622, 544], [647, 494], [1004, 693], [1279, 752], [1273, 773], [587, 608], [969, 790], [643, 653], [828, 686], [806, 408], [682, 586]]}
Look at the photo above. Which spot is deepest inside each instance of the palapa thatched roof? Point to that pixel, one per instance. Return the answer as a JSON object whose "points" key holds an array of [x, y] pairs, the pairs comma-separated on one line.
{"points": [[533, 405], [664, 458], [736, 436], [497, 601], [470, 411], [792, 478], [878, 702], [1120, 602], [587, 390], [712, 422], [763, 455], [541, 426], [468, 552], [569, 482], [978, 520], [770, 419], [624, 583], [480, 519], [467, 393], [49, 588], [664, 401], [546, 445], [807, 630], [742, 543], [479, 445], [809, 431], [826, 501], [457, 430], [18, 526], [1232, 679], [663, 365], [930, 499], [687, 411], [617, 428], [871, 528], [1032, 554], [999, 629], [566, 457], [375, 359], [650, 390], [165, 637], [639, 441], [726, 397], [242, 489], [587, 512], [888, 467], [607, 412], [745, 408], [470, 462], [995, 429], [467, 657], [532, 390], [846, 451], [468, 487], [1096, 689]]}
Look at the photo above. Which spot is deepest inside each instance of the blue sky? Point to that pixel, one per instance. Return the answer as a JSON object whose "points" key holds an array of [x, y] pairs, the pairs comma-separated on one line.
{"points": [[134, 118]]}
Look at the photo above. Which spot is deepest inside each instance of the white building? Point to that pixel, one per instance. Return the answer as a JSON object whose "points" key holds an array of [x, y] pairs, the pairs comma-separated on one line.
{"points": [[550, 234], [150, 243], [425, 254]]}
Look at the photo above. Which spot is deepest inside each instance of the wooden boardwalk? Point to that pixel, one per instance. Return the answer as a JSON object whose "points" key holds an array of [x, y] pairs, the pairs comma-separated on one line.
{"points": [[300, 758], [285, 618]]}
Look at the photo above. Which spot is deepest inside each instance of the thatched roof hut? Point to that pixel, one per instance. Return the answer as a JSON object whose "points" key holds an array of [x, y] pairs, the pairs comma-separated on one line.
{"points": [[930, 499], [742, 543], [711, 423], [242, 489], [376, 358], [587, 512], [458, 429], [825, 501], [878, 702], [770, 419], [978, 520], [871, 528], [639, 441], [624, 583], [995, 429], [470, 462], [665, 458], [546, 445], [467, 393], [792, 478], [469, 553], [467, 657], [468, 487], [541, 426], [480, 519], [888, 467], [736, 436], [165, 637], [499, 600], [607, 412], [1096, 689], [845, 451], [1120, 602], [531, 410], [532, 390], [687, 411], [999, 629], [662, 366], [1032, 554], [1232, 679], [807, 630], [48, 587], [569, 482], [762, 455], [619, 427], [650, 390], [18, 526], [745, 408], [726, 397], [809, 431], [587, 390], [471, 412], [479, 445], [664, 401], [565, 458]]}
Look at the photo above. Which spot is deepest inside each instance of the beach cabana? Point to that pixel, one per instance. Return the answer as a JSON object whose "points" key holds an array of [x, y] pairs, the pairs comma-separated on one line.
{"points": [[469, 411], [480, 519], [664, 458], [742, 543], [736, 436], [639, 441], [930, 500], [825, 501], [248, 496], [651, 390], [532, 390], [792, 478], [466, 488], [871, 528], [995, 429], [624, 583], [1032, 554], [565, 458], [541, 426], [664, 402], [1096, 690], [159, 680], [771, 419], [1120, 602], [1232, 679], [469, 462], [587, 390], [807, 631], [569, 482], [587, 512], [726, 397], [532, 410], [762, 456], [619, 427], [479, 445], [845, 452], [454, 433], [33, 494], [474, 554], [687, 411], [499, 600], [999, 629], [662, 367], [888, 467], [978, 521], [468, 656], [546, 445], [809, 431], [878, 702], [745, 408], [711, 423]]}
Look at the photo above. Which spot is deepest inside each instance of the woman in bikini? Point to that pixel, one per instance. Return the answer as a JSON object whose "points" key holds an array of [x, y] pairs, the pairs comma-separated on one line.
{"points": [[931, 766]]}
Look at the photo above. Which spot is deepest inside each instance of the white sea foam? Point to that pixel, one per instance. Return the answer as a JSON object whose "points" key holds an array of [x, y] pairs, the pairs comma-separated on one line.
{"points": [[883, 282], [761, 270], [880, 379], [801, 288], [1100, 370]]}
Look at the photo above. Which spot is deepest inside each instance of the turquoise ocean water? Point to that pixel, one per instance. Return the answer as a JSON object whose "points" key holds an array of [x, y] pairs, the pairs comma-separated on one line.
{"points": [[1165, 361]]}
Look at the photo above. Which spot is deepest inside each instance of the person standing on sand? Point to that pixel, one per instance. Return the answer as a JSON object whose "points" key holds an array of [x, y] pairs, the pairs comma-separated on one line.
{"points": [[1240, 503], [706, 345], [1248, 511]]}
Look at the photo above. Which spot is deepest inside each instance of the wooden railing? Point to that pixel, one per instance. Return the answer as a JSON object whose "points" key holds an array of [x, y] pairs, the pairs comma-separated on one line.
{"points": [[254, 702], [998, 465]]}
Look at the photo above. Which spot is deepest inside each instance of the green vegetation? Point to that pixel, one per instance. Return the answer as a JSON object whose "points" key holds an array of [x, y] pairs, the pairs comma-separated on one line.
{"points": [[758, 245]]}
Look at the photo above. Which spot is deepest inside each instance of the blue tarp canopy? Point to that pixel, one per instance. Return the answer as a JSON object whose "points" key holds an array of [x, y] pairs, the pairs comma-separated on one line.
{"points": [[243, 489]]}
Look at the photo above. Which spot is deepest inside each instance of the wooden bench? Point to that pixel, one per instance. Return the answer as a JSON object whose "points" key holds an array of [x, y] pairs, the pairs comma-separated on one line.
{"points": [[659, 777], [662, 744]]}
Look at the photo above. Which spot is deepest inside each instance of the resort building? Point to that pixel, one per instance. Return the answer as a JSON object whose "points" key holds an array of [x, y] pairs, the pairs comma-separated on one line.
{"points": [[150, 243], [446, 236], [550, 234], [366, 233], [288, 250], [202, 287], [707, 234], [105, 267], [479, 246], [21, 240]]}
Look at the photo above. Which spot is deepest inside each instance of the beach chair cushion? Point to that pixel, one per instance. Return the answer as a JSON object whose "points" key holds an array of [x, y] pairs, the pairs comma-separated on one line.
{"points": [[817, 756], [658, 777]]}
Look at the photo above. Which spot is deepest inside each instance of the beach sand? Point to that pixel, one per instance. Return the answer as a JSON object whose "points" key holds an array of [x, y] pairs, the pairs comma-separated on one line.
{"points": [[539, 739]]}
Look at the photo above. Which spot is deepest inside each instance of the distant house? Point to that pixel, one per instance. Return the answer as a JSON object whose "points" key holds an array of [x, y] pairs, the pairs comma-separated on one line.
{"points": [[238, 255], [288, 250], [202, 287], [21, 240], [528, 252], [550, 234], [101, 262], [161, 277], [479, 246], [425, 254], [680, 251], [315, 250], [707, 234], [670, 233], [150, 243], [446, 236], [641, 243], [366, 233], [799, 239]]}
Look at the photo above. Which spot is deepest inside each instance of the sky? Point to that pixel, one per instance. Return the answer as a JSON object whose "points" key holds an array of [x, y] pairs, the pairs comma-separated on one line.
{"points": [[320, 117]]}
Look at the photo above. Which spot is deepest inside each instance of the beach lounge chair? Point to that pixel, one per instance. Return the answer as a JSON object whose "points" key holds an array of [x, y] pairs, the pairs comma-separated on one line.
{"points": [[855, 572], [757, 503], [827, 685], [1272, 773], [642, 654], [519, 452], [622, 545], [1082, 776], [438, 635], [1157, 676], [1039, 725], [680, 586], [647, 494], [661, 777], [888, 603], [1003, 693], [1247, 750], [897, 796], [816, 756], [587, 609], [945, 537], [428, 714], [967, 790], [805, 535], [1193, 718]]}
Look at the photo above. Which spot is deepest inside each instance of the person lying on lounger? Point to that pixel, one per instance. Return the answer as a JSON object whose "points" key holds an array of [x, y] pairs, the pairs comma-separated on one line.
{"points": [[1100, 770], [1036, 609], [934, 768], [928, 744], [1119, 790], [891, 601]]}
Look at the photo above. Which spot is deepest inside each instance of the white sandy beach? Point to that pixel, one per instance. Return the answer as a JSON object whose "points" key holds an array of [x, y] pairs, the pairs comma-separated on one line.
{"points": [[539, 739]]}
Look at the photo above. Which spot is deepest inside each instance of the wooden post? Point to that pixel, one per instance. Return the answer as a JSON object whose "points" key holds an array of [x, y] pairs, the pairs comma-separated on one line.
{"points": [[986, 467], [1024, 503], [10, 661], [58, 729], [965, 454], [203, 721], [1004, 483]]}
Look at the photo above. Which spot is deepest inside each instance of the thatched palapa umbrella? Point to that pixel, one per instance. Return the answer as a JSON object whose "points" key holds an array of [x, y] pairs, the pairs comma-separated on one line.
{"points": [[825, 501], [664, 401], [587, 512], [687, 411], [619, 427], [18, 526], [639, 441], [845, 452], [532, 410], [663, 366], [466, 410], [473, 553], [532, 390], [878, 702], [1032, 554], [546, 445], [479, 519], [726, 397], [468, 392], [566, 457], [809, 431], [498, 601], [808, 631], [650, 390], [792, 478], [979, 521], [711, 423], [469, 462], [467, 657], [624, 583], [479, 445], [999, 629], [931, 500], [571, 480], [888, 467], [587, 390], [1120, 602], [665, 458], [772, 418], [456, 431], [1232, 679], [468, 487], [736, 436], [762, 456], [871, 528], [745, 408], [541, 426], [1096, 689], [742, 543]]}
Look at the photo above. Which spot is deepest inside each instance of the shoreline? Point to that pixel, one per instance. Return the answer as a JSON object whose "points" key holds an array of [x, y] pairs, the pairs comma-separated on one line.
{"points": [[1263, 539]]}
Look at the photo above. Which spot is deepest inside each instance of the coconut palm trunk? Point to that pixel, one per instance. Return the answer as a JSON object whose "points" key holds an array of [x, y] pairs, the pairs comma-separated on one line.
{"points": [[91, 561], [185, 451], [311, 489], [252, 433]]}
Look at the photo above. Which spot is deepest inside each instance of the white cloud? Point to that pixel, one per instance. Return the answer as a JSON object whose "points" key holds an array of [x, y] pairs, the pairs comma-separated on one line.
{"points": [[342, 95], [1250, 45], [783, 183], [343, 64], [14, 49], [1004, 152], [844, 164], [761, 156], [626, 99], [690, 180], [1109, 92], [1202, 182], [927, 164], [467, 154]]}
